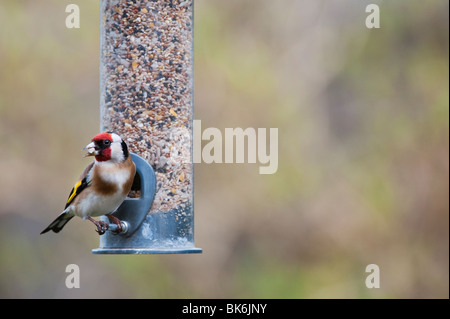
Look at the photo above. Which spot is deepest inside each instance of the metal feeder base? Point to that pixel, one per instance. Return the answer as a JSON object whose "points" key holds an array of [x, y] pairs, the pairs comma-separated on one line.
{"points": [[144, 251], [160, 233]]}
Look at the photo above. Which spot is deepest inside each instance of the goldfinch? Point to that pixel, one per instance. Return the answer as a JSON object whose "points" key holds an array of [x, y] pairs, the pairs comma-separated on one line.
{"points": [[102, 186]]}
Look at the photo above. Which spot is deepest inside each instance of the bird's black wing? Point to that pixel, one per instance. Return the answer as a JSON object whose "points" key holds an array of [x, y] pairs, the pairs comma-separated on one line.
{"points": [[80, 185]]}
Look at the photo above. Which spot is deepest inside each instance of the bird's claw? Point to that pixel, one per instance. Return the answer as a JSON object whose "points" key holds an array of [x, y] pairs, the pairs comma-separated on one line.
{"points": [[116, 221], [102, 227]]}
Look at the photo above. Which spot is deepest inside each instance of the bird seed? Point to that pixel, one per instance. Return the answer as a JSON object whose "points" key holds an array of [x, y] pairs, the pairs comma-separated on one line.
{"points": [[146, 89]]}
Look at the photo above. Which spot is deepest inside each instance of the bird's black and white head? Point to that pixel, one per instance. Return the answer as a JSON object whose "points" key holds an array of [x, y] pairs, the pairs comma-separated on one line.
{"points": [[108, 146]]}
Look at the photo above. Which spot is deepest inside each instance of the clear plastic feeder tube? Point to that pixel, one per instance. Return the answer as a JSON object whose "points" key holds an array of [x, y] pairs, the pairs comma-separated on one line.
{"points": [[146, 96]]}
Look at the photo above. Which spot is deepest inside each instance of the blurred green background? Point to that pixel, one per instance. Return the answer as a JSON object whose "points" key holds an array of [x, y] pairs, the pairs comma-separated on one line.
{"points": [[363, 177]]}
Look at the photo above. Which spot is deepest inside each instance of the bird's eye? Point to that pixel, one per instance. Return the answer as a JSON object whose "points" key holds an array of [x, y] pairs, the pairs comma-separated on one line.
{"points": [[107, 142]]}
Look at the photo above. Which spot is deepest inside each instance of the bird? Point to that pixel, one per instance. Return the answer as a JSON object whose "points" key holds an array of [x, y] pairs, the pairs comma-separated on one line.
{"points": [[103, 185]]}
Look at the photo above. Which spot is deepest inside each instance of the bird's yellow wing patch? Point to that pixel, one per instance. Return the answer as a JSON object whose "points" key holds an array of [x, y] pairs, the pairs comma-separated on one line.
{"points": [[73, 193], [79, 186]]}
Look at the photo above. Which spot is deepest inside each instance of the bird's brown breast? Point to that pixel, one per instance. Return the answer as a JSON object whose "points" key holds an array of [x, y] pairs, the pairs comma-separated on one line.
{"points": [[104, 186]]}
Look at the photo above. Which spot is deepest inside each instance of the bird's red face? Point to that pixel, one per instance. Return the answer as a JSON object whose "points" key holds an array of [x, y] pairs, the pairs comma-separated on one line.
{"points": [[108, 146], [100, 147]]}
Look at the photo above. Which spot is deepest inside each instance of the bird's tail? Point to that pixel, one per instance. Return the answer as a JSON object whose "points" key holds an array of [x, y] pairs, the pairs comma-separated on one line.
{"points": [[59, 222]]}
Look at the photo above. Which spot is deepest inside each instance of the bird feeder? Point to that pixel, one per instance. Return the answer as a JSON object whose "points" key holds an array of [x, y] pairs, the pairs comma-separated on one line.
{"points": [[146, 96]]}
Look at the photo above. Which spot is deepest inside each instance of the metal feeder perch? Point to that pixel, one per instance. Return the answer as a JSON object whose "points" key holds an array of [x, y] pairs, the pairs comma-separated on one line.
{"points": [[146, 96]]}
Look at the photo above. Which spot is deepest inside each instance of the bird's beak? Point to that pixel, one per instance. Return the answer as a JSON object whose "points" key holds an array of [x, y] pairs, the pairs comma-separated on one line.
{"points": [[91, 148]]}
